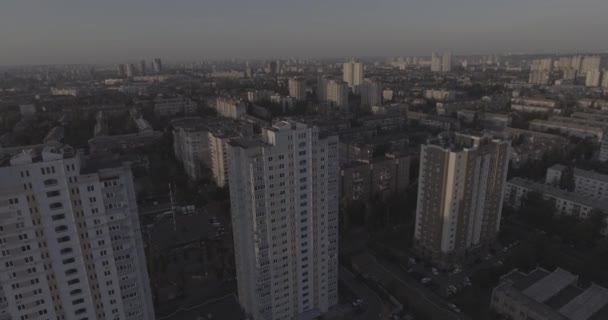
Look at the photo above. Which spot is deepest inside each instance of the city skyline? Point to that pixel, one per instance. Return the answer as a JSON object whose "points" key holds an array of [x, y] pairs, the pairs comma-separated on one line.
{"points": [[110, 31]]}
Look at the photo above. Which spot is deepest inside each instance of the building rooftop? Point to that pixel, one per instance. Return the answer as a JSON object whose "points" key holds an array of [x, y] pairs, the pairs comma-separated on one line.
{"points": [[550, 285], [558, 193], [557, 294], [592, 175], [246, 143]]}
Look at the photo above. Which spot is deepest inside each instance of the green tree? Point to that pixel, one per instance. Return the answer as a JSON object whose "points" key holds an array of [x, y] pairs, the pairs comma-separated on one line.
{"points": [[566, 180]]}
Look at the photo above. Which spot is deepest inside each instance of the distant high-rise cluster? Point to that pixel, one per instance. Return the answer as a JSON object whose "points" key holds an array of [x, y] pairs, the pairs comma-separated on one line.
{"points": [[441, 63], [352, 74], [460, 191], [130, 70], [284, 207], [71, 241]]}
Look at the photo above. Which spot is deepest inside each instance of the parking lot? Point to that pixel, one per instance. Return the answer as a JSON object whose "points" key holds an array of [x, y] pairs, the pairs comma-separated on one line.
{"points": [[449, 282]]}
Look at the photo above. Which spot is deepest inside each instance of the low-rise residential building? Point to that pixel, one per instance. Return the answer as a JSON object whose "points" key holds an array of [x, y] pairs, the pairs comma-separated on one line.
{"points": [[170, 106], [587, 183], [440, 123], [566, 203], [535, 105], [598, 117], [570, 127], [198, 144], [441, 94], [384, 176], [230, 107], [366, 148], [603, 156], [496, 119], [254, 96], [129, 143], [384, 122], [545, 295], [532, 145]]}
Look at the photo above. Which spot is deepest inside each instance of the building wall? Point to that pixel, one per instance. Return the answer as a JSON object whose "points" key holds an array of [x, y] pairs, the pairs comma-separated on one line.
{"points": [[71, 242], [459, 198], [284, 206]]}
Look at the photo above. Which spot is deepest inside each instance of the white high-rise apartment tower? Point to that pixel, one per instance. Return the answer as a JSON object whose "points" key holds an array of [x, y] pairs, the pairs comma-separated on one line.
{"points": [[446, 62], [337, 94], [590, 63], [284, 203], [157, 65], [441, 63], [460, 191], [605, 79], [352, 73], [297, 89], [593, 78], [371, 93], [70, 240]]}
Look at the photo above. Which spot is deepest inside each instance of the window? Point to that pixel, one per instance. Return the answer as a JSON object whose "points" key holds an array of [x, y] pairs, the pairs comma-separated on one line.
{"points": [[54, 193], [50, 182], [56, 205], [60, 216], [61, 228], [66, 251], [70, 272], [63, 239]]}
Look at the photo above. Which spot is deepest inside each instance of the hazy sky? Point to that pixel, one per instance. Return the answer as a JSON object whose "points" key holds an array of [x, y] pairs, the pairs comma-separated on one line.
{"points": [[101, 31]]}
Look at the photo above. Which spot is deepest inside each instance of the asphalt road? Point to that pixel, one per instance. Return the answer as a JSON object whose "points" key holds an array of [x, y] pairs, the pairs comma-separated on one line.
{"points": [[374, 306], [421, 296]]}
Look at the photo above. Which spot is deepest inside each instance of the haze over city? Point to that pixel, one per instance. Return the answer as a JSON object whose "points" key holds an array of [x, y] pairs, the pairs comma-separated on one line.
{"points": [[310, 160], [59, 32]]}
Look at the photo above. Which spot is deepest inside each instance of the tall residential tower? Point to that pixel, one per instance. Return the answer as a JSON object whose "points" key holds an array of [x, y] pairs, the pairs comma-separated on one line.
{"points": [[460, 191], [70, 238], [284, 203], [352, 73]]}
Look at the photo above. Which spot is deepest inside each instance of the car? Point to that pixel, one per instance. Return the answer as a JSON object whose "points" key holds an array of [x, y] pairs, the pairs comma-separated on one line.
{"points": [[434, 271], [411, 261], [457, 271], [410, 270], [498, 263], [453, 288], [454, 307], [425, 280]]}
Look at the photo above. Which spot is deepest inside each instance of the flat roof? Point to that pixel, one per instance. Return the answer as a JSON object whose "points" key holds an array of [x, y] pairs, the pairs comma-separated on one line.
{"points": [[586, 304], [550, 285]]}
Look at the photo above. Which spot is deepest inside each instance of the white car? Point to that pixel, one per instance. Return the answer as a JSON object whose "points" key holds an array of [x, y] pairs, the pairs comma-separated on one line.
{"points": [[434, 271], [454, 307], [411, 261], [457, 271], [425, 280]]}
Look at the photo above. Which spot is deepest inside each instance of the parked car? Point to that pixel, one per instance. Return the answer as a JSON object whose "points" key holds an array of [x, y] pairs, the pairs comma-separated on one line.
{"points": [[434, 271], [454, 307]]}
